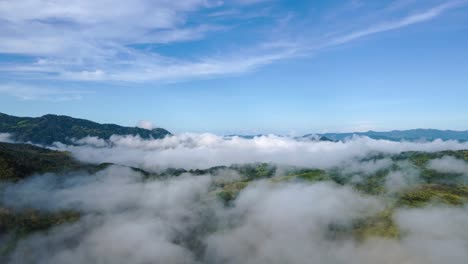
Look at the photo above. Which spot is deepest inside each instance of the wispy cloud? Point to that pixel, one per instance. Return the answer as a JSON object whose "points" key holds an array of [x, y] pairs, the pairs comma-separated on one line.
{"points": [[173, 70], [251, 2], [97, 40], [26, 92], [399, 23]]}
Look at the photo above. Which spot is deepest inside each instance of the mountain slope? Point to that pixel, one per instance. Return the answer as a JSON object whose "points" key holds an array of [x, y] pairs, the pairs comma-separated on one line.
{"points": [[17, 161], [48, 129]]}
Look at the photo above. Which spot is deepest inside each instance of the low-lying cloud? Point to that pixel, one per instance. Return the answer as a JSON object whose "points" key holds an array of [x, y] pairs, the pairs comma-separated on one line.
{"points": [[126, 219], [5, 137], [449, 164], [207, 150]]}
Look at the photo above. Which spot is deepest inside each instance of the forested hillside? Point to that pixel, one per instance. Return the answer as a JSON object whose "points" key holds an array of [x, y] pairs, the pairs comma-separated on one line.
{"points": [[48, 129]]}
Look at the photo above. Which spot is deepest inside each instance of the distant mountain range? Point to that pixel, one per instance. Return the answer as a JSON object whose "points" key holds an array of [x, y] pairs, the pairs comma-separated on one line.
{"points": [[394, 135], [308, 137], [407, 135], [48, 129]]}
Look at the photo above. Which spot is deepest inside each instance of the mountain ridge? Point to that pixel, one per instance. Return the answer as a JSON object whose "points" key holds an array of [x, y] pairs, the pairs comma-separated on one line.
{"points": [[424, 134], [47, 129], [418, 134]]}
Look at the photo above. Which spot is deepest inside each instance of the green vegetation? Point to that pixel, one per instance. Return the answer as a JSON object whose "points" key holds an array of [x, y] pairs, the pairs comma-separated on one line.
{"points": [[255, 171], [436, 193], [421, 159], [48, 129], [229, 191], [18, 161], [379, 225], [309, 175], [16, 225], [29, 221], [373, 184]]}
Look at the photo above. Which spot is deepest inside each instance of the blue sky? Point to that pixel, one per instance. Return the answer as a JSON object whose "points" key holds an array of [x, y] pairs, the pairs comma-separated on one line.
{"points": [[240, 66]]}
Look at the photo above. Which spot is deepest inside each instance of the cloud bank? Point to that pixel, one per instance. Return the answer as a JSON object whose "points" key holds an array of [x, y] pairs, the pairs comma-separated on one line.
{"points": [[126, 219], [202, 151]]}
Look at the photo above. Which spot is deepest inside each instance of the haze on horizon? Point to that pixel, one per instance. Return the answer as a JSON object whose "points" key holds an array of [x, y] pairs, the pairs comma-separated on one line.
{"points": [[239, 66]]}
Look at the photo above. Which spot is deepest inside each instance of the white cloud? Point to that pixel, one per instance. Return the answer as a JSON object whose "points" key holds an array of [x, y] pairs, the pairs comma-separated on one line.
{"points": [[208, 150], [151, 14], [5, 137], [143, 220], [405, 177], [366, 167], [448, 164], [94, 40], [146, 124], [179, 220], [287, 224], [156, 68], [435, 233], [399, 23]]}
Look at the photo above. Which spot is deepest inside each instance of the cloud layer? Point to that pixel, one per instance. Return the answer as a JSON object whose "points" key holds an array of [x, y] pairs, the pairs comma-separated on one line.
{"points": [[207, 150], [126, 219]]}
